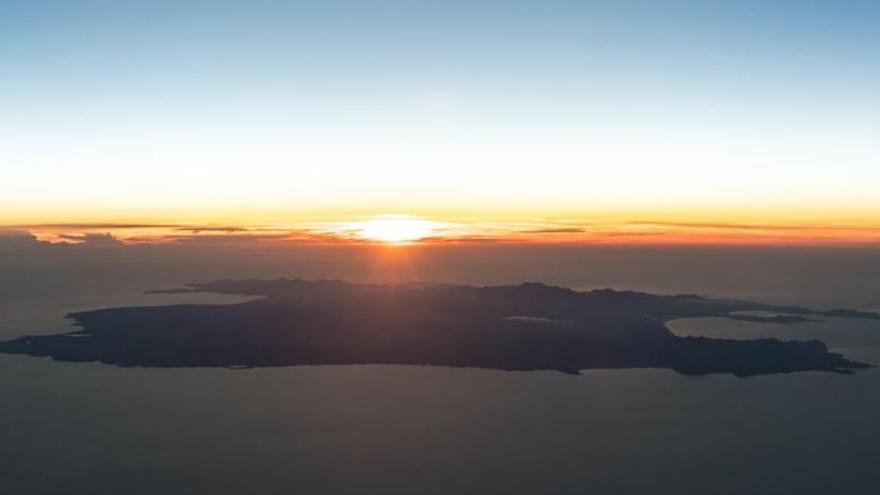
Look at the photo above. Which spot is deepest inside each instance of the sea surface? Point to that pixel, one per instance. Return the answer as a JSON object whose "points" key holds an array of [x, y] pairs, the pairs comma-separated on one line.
{"points": [[75, 428]]}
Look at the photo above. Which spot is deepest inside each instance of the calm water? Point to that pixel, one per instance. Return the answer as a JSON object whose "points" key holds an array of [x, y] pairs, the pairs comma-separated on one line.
{"points": [[95, 429]]}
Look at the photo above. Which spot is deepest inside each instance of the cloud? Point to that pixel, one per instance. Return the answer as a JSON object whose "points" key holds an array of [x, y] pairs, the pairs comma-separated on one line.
{"points": [[93, 239], [17, 239], [224, 238], [243, 236]]}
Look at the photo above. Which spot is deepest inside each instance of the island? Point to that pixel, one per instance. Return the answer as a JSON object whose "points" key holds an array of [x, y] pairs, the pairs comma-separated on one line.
{"points": [[524, 327]]}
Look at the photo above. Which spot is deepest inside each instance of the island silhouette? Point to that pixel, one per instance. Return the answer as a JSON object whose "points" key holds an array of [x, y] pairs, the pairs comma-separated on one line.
{"points": [[524, 327]]}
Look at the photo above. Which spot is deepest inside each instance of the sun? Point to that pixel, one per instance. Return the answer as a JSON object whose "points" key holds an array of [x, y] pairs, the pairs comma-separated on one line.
{"points": [[395, 229]]}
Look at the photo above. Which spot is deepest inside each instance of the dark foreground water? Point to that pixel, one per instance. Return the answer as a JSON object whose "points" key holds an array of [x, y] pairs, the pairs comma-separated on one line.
{"points": [[95, 429]]}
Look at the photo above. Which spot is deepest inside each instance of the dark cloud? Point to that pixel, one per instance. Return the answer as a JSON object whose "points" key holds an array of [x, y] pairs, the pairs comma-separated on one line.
{"points": [[744, 226], [629, 234], [120, 226], [17, 239], [450, 239], [557, 230], [97, 226], [197, 229]]}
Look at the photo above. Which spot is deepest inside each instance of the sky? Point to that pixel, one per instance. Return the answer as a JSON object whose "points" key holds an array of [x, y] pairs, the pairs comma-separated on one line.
{"points": [[713, 119]]}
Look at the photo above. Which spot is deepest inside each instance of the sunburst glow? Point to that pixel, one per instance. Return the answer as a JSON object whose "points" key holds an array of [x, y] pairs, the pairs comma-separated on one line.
{"points": [[395, 229]]}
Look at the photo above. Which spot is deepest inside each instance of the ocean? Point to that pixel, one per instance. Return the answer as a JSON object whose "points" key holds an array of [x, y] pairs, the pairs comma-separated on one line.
{"points": [[98, 429]]}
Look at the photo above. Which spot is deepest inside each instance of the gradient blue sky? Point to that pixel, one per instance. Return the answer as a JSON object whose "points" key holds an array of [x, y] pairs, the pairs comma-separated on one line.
{"points": [[118, 107]]}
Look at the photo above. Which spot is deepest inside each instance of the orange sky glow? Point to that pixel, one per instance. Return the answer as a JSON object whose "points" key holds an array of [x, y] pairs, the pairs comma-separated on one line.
{"points": [[663, 228]]}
